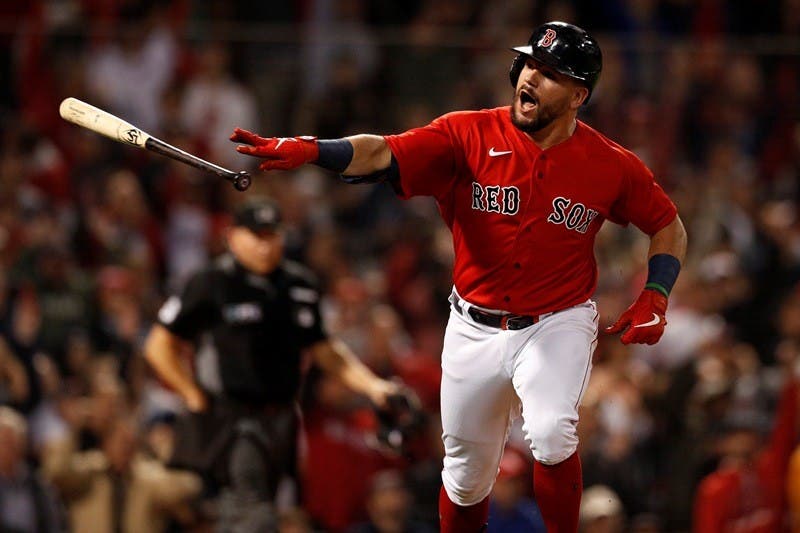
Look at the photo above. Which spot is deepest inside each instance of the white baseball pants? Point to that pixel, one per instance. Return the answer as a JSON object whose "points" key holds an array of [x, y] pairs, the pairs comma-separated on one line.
{"points": [[488, 374]]}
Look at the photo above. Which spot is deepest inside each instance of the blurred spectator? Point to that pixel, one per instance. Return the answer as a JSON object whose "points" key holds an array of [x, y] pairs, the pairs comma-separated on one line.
{"points": [[294, 520], [511, 510], [116, 487], [64, 295], [389, 352], [129, 74], [793, 490], [15, 387], [616, 426], [46, 422], [601, 511], [424, 474], [747, 490], [28, 504], [341, 456], [422, 59], [159, 436], [337, 33], [187, 236], [214, 103], [389, 506], [120, 325], [122, 228], [23, 335]]}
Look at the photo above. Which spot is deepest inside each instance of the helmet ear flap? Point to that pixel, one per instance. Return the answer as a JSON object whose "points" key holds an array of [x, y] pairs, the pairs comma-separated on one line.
{"points": [[516, 69]]}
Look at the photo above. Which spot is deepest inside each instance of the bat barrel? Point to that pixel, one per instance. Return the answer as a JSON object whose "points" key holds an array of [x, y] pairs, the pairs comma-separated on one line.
{"points": [[104, 123]]}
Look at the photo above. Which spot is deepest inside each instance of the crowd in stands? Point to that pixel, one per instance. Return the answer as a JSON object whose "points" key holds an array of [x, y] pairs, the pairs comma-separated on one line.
{"points": [[699, 432]]}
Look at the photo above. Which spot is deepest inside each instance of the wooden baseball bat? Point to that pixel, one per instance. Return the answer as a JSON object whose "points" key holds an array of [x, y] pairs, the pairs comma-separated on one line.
{"points": [[113, 127]]}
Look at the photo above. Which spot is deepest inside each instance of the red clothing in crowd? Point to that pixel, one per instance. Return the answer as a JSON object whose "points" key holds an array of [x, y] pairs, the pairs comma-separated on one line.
{"points": [[752, 499], [339, 466]]}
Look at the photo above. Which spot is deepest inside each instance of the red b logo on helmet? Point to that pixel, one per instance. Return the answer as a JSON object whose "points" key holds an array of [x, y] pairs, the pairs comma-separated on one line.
{"points": [[548, 38]]}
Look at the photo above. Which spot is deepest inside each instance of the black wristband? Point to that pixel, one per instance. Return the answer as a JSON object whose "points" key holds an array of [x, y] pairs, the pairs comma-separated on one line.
{"points": [[662, 271], [334, 154]]}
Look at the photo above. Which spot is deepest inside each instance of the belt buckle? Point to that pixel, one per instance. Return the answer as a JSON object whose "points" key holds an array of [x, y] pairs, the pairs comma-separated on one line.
{"points": [[504, 321]]}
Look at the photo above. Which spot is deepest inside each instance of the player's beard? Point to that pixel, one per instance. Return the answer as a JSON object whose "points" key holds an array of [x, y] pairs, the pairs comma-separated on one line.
{"points": [[544, 116]]}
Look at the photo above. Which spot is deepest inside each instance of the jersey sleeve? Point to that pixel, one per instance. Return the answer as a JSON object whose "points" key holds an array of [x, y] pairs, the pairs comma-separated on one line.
{"points": [[642, 201], [192, 310], [426, 158]]}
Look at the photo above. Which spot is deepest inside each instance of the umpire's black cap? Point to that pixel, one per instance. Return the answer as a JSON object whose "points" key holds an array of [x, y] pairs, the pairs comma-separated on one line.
{"points": [[258, 214]]}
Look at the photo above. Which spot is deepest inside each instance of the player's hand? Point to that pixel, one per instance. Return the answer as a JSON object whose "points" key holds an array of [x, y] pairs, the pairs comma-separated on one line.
{"points": [[644, 319], [279, 153]]}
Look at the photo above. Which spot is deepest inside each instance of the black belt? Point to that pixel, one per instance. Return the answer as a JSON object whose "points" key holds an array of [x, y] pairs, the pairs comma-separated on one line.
{"points": [[498, 320]]}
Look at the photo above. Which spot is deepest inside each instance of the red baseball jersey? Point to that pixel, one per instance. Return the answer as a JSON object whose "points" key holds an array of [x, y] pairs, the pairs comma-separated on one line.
{"points": [[524, 220]]}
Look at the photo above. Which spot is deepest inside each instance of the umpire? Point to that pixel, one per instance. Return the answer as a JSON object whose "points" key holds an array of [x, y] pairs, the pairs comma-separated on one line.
{"points": [[249, 317]]}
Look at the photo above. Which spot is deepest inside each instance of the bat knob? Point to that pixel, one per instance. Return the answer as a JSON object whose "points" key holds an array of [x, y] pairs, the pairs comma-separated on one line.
{"points": [[242, 181]]}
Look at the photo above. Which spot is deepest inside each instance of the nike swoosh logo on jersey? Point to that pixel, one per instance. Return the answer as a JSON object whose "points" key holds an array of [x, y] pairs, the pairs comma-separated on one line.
{"points": [[493, 153], [654, 322]]}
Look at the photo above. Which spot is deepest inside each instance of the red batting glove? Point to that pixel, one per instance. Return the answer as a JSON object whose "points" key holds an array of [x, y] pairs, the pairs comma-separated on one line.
{"points": [[644, 319], [279, 153]]}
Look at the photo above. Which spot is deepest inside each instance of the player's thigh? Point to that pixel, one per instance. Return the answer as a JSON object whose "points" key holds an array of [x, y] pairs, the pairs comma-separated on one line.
{"points": [[552, 369], [476, 393], [477, 399]]}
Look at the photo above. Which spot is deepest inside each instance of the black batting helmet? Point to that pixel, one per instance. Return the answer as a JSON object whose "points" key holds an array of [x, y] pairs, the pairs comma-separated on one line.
{"points": [[564, 47]]}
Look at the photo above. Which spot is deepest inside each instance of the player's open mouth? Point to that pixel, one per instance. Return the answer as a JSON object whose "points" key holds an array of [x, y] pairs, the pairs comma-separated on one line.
{"points": [[527, 101]]}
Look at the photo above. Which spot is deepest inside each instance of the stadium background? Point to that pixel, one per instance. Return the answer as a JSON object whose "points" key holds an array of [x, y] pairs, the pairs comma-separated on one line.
{"points": [[93, 234]]}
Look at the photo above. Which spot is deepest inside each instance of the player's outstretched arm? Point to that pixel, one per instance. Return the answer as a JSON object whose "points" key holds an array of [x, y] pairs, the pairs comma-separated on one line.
{"points": [[359, 155], [644, 321], [371, 154]]}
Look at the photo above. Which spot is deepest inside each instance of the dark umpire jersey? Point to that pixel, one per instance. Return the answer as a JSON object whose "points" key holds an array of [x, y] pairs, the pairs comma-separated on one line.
{"points": [[249, 330]]}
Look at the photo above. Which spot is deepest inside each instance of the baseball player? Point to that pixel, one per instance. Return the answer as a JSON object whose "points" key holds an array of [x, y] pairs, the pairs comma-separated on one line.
{"points": [[524, 190]]}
